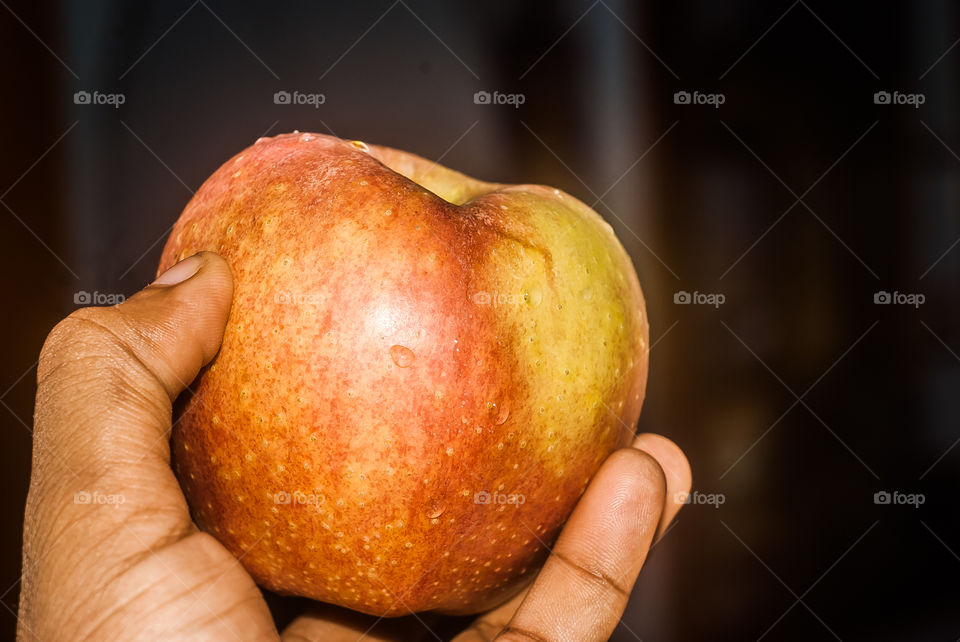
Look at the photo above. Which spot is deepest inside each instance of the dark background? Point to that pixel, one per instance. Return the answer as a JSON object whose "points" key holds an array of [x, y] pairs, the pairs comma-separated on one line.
{"points": [[797, 199]]}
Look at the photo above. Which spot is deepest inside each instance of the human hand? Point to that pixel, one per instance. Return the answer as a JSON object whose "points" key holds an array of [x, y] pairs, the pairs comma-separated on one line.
{"points": [[110, 551]]}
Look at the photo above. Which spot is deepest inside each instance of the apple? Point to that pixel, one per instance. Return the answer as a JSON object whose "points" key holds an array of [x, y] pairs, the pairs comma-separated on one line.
{"points": [[419, 375]]}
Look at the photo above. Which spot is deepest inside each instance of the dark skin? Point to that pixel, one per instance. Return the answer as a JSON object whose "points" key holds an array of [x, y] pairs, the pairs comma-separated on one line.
{"points": [[130, 564]]}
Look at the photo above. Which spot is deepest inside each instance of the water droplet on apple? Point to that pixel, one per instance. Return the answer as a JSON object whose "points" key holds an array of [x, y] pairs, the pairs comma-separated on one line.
{"points": [[435, 508], [359, 144], [402, 356], [498, 412], [306, 138]]}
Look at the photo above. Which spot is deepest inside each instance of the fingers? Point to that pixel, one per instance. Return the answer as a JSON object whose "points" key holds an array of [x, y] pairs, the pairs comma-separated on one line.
{"points": [[582, 589], [487, 626], [106, 522], [676, 469], [677, 478], [328, 623]]}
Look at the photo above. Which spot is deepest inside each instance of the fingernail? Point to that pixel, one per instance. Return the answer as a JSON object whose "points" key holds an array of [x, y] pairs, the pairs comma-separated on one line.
{"points": [[180, 272]]}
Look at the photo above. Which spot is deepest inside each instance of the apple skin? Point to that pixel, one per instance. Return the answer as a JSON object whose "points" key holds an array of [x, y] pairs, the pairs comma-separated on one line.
{"points": [[402, 340]]}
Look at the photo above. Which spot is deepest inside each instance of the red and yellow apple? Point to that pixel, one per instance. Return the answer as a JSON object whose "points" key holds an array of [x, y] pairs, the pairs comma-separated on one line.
{"points": [[419, 375]]}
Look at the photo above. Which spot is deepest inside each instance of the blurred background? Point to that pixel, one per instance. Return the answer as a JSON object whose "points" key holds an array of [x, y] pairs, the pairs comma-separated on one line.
{"points": [[785, 176]]}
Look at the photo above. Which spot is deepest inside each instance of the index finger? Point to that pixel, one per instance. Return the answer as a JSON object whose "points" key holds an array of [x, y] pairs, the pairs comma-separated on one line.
{"points": [[584, 586]]}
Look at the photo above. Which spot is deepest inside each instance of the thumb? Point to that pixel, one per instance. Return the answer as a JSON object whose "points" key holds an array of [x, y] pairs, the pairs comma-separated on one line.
{"points": [[171, 328], [109, 548], [107, 378]]}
